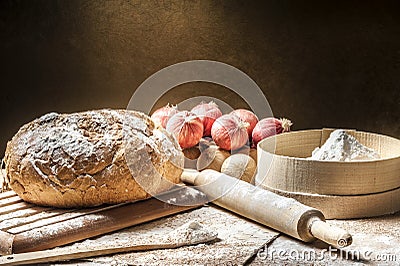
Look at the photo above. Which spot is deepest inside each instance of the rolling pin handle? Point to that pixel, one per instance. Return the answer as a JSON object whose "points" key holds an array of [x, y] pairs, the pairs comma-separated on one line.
{"points": [[189, 176], [330, 234]]}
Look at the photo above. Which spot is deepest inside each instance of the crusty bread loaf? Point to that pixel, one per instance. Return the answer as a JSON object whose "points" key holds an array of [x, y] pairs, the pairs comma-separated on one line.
{"points": [[91, 158]]}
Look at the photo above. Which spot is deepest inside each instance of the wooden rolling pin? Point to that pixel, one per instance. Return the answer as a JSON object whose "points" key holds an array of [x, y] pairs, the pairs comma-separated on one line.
{"points": [[283, 214]]}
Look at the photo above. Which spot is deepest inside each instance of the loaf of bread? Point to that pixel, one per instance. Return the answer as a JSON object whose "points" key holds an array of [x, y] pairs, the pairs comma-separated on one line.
{"points": [[92, 158]]}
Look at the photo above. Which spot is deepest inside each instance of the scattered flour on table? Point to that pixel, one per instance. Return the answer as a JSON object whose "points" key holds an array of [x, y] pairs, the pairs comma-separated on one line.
{"points": [[343, 147], [191, 232]]}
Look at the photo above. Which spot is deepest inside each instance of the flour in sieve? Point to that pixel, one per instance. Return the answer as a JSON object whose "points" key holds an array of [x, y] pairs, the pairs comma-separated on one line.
{"points": [[343, 147]]}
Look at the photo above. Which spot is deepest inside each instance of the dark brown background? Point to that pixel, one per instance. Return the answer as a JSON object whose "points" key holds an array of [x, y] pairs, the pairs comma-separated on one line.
{"points": [[330, 64]]}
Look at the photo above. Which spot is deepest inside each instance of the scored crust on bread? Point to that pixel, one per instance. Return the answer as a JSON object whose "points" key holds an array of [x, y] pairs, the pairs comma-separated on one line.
{"points": [[92, 158]]}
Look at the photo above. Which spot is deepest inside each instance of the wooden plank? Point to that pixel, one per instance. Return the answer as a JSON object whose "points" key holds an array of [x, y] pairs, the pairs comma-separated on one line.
{"points": [[55, 216], [23, 213], [93, 224], [174, 239], [9, 201], [5, 225], [7, 194], [6, 242], [15, 207], [62, 255], [36, 228]]}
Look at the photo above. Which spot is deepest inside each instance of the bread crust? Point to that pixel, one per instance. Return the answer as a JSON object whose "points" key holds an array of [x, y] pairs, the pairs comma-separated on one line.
{"points": [[91, 158]]}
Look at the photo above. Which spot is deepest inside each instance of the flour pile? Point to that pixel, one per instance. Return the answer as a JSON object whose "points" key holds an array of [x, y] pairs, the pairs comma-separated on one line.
{"points": [[343, 147], [191, 233]]}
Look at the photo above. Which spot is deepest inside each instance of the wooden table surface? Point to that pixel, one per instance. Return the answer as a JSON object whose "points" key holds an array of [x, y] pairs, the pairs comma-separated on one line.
{"points": [[241, 241], [376, 240]]}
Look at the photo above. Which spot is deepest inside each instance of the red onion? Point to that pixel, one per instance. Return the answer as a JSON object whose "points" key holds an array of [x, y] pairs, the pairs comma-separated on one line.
{"points": [[186, 127], [163, 114], [268, 127], [229, 132], [207, 112], [247, 116]]}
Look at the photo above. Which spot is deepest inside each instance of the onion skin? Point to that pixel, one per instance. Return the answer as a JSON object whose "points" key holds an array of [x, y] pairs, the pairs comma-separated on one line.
{"points": [[208, 113], [186, 127], [229, 132], [247, 116], [269, 126], [163, 114]]}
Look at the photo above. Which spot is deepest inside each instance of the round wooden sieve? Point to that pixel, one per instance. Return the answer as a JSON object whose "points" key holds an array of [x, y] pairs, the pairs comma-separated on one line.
{"points": [[339, 189], [348, 207]]}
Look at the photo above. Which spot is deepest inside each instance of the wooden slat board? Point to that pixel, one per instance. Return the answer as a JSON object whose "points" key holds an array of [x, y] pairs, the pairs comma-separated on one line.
{"points": [[10, 200], [7, 194], [29, 217], [22, 214], [50, 217], [25, 227]]}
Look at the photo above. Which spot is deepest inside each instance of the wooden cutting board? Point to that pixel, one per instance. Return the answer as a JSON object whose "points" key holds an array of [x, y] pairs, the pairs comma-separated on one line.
{"points": [[26, 227]]}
